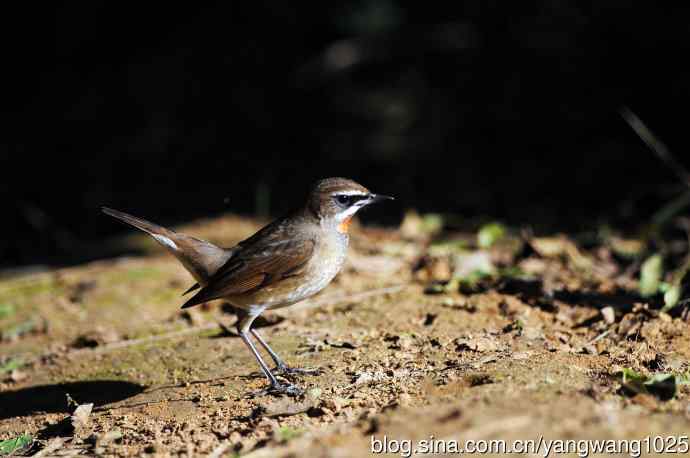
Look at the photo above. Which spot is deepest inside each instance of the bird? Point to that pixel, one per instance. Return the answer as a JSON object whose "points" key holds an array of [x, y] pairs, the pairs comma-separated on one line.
{"points": [[285, 262]]}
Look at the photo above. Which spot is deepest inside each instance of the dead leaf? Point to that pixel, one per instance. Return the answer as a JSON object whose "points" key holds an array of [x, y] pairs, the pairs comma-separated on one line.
{"points": [[478, 344], [646, 400], [286, 406], [629, 325], [608, 314], [365, 378], [17, 375], [415, 225], [80, 417], [470, 264]]}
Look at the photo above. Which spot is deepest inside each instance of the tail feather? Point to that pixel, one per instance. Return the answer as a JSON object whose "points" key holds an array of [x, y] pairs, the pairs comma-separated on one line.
{"points": [[194, 287], [139, 223], [201, 258]]}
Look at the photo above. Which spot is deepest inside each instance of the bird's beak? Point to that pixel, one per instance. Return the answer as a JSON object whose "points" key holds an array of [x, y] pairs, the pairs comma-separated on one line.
{"points": [[374, 198]]}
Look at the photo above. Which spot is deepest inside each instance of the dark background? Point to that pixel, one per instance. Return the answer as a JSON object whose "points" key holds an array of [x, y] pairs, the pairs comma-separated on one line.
{"points": [[484, 108]]}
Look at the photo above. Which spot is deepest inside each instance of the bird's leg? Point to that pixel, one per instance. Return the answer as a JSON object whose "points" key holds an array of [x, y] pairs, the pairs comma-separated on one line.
{"points": [[243, 328], [281, 367]]}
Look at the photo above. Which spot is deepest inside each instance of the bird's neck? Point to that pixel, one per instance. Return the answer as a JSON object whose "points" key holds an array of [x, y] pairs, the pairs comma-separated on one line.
{"points": [[344, 225], [336, 226], [339, 224]]}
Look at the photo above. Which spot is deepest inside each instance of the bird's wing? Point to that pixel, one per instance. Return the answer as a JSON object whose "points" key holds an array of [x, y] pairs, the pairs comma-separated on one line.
{"points": [[260, 262]]}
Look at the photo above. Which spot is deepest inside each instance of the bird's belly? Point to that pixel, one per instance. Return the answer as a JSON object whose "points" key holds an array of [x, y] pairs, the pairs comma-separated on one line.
{"points": [[319, 273], [319, 280]]}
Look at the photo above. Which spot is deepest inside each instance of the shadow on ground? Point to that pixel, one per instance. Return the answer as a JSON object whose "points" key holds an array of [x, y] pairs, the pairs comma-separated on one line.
{"points": [[53, 398], [532, 291]]}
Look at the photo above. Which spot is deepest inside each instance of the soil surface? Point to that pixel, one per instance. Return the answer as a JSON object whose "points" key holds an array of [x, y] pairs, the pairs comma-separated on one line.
{"points": [[422, 334]]}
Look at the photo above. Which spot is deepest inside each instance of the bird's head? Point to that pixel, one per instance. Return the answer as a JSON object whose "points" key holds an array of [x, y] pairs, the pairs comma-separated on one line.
{"points": [[336, 200]]}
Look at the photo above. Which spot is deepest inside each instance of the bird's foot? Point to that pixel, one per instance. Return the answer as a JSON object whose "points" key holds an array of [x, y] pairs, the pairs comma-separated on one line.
{"points": [[279, 389], [286, 371]]}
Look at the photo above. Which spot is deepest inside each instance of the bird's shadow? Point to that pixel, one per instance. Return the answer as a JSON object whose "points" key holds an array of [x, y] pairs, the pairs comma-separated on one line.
{"points": [[53, 398]]}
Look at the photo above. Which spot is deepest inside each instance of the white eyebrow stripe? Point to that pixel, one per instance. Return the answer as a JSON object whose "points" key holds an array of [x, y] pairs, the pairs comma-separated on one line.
{"points": [[350, 193]]}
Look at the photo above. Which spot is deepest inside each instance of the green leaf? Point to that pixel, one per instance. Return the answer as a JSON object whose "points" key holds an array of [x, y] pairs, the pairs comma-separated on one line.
{"points": [[10, 365], [650, 275], [662, 385], [445, 247], [6, 310], [514, 272], [490, 234], [11, 446], [432, 223], [474, 277], [671, 297], [285, 433], [674, 290], [18, 330], [658, 378], [664, 286], [633, 380]]}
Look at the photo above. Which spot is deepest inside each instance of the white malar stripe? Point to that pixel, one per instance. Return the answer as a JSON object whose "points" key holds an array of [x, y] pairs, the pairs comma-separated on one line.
{"points": [[347, 213], [165, 241]]}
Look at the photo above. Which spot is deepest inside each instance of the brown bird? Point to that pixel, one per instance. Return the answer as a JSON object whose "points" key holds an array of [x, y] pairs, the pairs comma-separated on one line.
{"points": [[287, 261]]}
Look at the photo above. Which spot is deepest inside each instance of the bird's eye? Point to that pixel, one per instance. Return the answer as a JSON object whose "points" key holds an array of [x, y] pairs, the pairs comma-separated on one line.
{"points": [[343, 200]]}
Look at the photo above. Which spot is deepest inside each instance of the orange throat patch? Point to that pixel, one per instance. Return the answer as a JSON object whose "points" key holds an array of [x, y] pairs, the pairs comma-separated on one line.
{"points": [[345, 225]]}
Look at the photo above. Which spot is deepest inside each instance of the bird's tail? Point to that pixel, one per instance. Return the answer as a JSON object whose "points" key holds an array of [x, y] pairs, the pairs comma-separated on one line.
{"points": [[201, 258]]}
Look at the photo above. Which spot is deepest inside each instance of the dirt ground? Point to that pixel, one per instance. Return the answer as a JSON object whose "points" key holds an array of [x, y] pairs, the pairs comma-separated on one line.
{"points": [[412, 342]]}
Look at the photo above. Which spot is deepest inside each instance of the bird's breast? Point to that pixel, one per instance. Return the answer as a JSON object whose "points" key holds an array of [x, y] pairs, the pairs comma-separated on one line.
{"points": [[326, 262]]}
